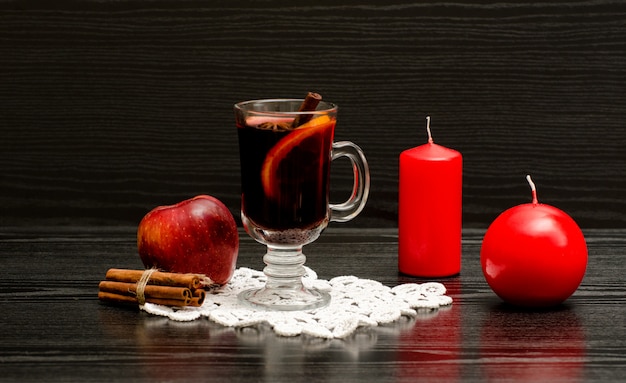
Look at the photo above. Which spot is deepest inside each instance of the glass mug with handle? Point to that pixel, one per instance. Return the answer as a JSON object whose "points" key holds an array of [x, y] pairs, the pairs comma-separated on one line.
{"points": [[285, 155]]}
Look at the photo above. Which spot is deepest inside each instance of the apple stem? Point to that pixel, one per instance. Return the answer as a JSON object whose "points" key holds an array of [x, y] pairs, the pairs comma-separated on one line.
{"points": [[430, 137], [533, 189]]}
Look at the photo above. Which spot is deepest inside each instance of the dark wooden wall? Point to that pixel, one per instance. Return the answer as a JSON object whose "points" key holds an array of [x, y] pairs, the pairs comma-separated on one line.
{"points": [[109, 108]]}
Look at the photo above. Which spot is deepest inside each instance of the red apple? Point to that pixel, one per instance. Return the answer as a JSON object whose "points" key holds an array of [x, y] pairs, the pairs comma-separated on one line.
{"points": [[198, 235]]}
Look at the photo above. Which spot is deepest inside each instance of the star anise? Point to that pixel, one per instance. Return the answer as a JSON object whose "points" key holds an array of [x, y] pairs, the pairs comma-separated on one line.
{"points": [[275, 126]]}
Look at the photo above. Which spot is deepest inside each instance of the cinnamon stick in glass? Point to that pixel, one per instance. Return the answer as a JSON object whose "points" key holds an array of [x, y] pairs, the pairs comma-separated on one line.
{"points": [[309, 104]]}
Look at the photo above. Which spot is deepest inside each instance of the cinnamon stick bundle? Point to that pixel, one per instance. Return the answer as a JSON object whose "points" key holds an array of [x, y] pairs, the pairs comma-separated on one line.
{"points": [[170, 289]]}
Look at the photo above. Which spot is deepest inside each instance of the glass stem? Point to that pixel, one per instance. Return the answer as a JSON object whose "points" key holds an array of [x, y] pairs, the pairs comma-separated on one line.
{"points": [[284, 267]]}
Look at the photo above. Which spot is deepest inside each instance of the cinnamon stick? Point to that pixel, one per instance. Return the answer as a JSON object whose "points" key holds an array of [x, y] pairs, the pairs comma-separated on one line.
{"points": [[309, 104], [150, 291], [191, 281], [131, 300], [198, 298]]}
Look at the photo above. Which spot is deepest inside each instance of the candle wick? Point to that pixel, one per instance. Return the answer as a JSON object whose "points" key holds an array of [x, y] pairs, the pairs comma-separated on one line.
{"points": [[430, 137], [533, 189]]}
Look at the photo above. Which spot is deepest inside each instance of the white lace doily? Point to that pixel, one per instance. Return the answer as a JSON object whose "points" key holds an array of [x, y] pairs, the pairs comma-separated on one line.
{"points": [[354, 303]]}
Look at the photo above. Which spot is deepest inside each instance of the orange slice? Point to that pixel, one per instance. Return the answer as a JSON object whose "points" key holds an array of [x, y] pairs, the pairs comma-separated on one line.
{"points": [[316, 129]]}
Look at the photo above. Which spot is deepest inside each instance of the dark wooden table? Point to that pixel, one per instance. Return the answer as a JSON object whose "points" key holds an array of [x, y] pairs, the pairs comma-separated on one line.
{"points": [[54, 329]]}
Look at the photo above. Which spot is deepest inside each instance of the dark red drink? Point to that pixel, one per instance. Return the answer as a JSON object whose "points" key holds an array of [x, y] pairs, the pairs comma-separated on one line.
{"points": [[285, 172], [286, 146]]}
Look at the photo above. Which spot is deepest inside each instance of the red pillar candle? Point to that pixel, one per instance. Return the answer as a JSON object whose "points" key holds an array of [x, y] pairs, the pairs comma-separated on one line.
{"points": [[429, 210]]}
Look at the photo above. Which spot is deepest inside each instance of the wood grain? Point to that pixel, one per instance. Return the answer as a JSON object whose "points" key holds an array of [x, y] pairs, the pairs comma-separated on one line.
{"points": [[110, 108], [55, 330]]}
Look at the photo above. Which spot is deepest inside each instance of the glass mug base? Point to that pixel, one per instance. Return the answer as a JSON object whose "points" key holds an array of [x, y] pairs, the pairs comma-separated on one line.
{"points": [[283, 290], [284, 299]]}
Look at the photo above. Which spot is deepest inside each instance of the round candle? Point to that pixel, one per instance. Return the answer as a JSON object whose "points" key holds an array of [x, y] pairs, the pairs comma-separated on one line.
{"points": [[534, 254], [430, 210]]}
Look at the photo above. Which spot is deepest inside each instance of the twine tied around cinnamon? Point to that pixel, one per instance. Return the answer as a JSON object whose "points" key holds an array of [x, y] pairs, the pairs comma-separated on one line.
{"points": [[141, 285]]}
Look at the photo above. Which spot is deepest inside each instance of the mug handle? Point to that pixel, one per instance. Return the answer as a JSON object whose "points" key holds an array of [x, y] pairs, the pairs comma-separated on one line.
{"points": [[349, 209]]}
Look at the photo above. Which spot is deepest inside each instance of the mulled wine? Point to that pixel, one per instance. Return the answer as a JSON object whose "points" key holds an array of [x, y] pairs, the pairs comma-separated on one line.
{"points": [[286, 146], [285, 172]]}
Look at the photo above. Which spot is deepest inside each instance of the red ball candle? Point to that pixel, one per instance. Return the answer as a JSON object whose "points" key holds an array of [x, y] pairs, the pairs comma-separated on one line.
{"points": [[429, 210], [534, 255]]}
